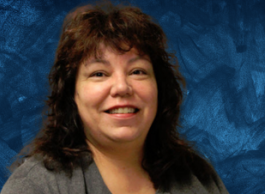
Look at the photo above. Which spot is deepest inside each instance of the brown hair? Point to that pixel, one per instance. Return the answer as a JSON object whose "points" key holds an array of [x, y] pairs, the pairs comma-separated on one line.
{"points": [[62, 142]]}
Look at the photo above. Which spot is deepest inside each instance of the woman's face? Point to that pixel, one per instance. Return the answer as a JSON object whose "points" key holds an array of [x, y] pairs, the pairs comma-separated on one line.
{"points": [[116, 96]]}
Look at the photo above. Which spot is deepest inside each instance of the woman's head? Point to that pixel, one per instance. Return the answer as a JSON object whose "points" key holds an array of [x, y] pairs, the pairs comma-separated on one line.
{"points": [[121, 29], [116, 96]]}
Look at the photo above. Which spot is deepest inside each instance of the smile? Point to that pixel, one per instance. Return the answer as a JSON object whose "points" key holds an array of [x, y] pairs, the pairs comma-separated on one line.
{"points": [[125, 110]]}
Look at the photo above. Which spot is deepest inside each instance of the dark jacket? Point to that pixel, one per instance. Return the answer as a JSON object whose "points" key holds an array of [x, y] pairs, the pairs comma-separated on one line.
{"points": [[33, 178]]}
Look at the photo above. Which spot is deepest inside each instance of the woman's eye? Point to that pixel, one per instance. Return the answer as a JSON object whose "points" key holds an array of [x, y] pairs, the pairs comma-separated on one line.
{"points": [[139, 72], [97, 74]]}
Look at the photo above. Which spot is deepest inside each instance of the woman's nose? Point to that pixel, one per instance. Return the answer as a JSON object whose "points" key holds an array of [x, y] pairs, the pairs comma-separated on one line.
{"points": [[121, 87]]}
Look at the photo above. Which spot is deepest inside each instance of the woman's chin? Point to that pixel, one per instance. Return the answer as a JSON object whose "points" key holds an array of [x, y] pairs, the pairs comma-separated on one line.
{"points": [[124, 135]]}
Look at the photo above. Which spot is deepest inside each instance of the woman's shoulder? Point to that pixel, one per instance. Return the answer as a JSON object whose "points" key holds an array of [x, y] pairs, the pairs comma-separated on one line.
{"points": [[33, 177], [195, 175], [205, 177], [30, 166], [195, 185], [26, 178], [215, 186]]}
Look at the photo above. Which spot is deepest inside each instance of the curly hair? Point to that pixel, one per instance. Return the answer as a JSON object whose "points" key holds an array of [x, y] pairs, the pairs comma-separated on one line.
{"points": [[62, 142]]}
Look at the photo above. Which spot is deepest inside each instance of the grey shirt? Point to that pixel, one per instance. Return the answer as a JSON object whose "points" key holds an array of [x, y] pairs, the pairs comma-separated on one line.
{"points": [[33, 178]]}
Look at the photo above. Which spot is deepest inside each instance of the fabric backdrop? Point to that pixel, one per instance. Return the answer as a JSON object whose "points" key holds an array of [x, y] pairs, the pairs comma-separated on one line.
{"points": [[220, 45]]}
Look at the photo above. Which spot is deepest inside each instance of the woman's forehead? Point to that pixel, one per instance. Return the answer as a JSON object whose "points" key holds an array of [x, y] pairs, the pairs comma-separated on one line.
{"points": [[102, 51]]}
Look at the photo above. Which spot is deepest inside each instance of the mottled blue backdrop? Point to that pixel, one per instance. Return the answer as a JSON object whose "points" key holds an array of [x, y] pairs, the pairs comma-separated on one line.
{"points": [[220, 45]]}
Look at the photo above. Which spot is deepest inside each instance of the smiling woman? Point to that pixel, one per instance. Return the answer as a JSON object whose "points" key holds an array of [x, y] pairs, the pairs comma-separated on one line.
{"points": [[107, 89], [113, 114]]}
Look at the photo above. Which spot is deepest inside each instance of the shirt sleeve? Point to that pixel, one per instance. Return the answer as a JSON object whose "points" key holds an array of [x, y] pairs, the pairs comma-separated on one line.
{"points": [[33, 178], [29, 178], [20, 185]]}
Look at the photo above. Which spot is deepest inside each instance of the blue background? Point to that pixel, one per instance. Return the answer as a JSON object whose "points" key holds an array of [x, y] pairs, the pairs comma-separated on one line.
{"points": [[220, 45]]}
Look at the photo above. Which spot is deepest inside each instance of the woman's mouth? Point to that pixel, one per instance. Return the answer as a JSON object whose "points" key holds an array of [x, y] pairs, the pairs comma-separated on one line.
{"points": [[123, 110]]}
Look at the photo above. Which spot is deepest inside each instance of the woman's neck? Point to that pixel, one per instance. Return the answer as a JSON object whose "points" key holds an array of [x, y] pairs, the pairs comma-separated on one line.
{"points": [[121, 170], [121, 159]]}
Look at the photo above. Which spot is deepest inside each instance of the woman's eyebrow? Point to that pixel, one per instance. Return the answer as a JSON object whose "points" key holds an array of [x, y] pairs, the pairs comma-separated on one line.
{"points": [[138, 58], [106, 62], [103, 61]]}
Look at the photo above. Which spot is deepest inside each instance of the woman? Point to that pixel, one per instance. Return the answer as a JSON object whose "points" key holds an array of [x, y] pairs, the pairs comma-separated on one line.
{"points": [[113, 113]]}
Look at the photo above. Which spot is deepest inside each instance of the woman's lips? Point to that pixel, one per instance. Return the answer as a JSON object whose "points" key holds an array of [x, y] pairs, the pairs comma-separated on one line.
{"points": [[123, 115]]}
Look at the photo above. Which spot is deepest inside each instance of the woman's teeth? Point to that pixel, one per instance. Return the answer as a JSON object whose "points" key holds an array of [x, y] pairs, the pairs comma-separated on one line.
{"points": [[122, 110]]}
